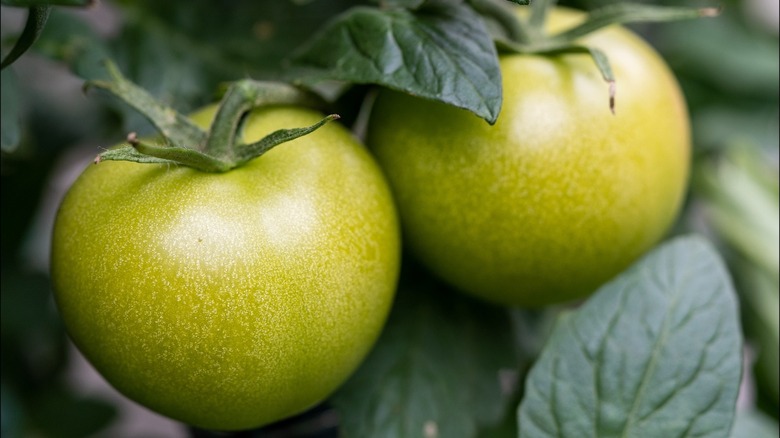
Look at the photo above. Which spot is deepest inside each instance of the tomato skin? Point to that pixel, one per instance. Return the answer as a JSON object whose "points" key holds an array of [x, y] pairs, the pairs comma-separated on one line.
{"points": [[559, 195], [229, 301]]}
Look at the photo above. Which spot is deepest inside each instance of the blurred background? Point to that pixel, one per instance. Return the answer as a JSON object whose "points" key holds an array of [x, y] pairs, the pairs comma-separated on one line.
{"points": [[181, 52]]}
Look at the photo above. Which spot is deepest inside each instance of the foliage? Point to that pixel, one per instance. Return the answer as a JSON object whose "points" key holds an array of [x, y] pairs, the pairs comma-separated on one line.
{"points": [[445, 365]]}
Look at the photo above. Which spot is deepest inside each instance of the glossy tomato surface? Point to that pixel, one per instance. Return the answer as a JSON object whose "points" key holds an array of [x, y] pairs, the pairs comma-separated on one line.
{"points": [[230, 300], [559, 195]]}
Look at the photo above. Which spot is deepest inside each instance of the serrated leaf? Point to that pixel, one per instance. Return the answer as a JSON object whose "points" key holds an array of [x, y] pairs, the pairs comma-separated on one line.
{"points": [[435, 370], [442, 51], [655, 353], [10, 112]]}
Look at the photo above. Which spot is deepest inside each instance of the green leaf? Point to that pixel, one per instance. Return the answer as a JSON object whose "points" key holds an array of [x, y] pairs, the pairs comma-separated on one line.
{"points": [[655, 353], [69, 39], [10, 112], [738, 193], [742, 209], [36, 20], [29, 3], [753, 424], [435, 370], [11, 413], [441, 51], [60, 413], [408, 4]]}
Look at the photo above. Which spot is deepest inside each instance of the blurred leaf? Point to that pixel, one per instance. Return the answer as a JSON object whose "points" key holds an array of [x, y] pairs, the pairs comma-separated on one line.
{"points": [[10, 111], [60, 414], [656, 352], [738, 190], [753, 424], [435, 370], [181, 54], [24, 303], [441, 51], [69, 39], [532, 328], [719, 125], [761, 308], [724, 54], [33, 339], [743, 210], [28, 3], [408, 4], [36, 20], [11, 414], [238, 38]]}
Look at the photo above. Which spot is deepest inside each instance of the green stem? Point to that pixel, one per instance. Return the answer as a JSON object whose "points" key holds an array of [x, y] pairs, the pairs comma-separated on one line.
{"points": [[539, 10], [250, 151], [621, 13], [185, 144], [505, 17], [175, 127], [142, 152], [602, 63], [241, 97], [566, 41]]}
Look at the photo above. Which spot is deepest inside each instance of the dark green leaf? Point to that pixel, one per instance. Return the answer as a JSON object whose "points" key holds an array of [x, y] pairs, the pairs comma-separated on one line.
{"points": [[33, 339], [434, 372], [10, 112], [61, 414], [29, 3], [442, 51], [655, 353], [36, 20]]}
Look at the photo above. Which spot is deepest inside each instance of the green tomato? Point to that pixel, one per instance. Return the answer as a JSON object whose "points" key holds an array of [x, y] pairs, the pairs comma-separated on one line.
{"points": [[229, 301], [559, 195]]}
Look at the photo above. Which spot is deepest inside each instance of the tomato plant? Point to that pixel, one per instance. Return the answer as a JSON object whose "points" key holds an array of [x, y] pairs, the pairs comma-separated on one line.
{"points": [[236, 272], [559, 195], [230, 300]]}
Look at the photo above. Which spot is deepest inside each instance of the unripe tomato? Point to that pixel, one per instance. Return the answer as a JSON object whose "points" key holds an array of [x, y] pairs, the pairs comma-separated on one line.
{"points": [[231, 300], [559, 195]]}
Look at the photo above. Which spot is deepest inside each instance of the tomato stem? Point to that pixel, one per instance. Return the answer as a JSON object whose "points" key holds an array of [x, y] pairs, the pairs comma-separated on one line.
{"points": [[535, 41], [250, 151], [176, 128], [239, 99], [218, 150], [539, 9]]}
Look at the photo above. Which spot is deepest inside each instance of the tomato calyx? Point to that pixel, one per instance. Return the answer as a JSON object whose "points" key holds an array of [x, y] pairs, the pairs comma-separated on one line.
{"points": [[528, 37], [217, 150]]}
